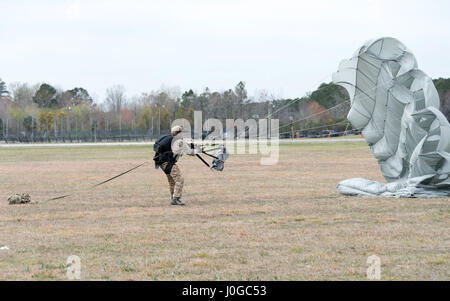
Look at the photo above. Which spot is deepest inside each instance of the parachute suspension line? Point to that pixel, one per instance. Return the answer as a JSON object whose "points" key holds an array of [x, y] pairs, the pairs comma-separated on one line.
{"points": [[346, 128], [315, 114], [212, 149], [203, 160], [338, 105], [290, 103], [295, 100], [319, 127], [209, 155], [319, 89]]}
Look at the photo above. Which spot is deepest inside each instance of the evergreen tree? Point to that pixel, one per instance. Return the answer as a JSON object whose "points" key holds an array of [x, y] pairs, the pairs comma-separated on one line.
{"points": [[3, 89], [45, 96]]}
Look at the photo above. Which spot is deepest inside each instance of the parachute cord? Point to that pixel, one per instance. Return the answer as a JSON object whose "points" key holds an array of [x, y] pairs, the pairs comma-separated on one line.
{"points": [[315, 114], [290, 103], [327, 110], [96, 185], [319, 127]]}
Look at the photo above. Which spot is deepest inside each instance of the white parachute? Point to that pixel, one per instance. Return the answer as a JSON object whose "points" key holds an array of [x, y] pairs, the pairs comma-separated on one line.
{"points": [[397, 108]]}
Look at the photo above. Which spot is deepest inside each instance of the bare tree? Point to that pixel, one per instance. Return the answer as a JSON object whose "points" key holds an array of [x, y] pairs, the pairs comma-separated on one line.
{"points": [[23, 93], [115, 98]]}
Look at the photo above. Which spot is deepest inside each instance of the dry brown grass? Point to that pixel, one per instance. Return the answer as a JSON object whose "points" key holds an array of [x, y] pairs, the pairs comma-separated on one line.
{"points": [[251, 222]]}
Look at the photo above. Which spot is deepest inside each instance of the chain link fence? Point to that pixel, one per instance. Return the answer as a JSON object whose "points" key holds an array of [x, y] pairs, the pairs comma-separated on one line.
{"points": [[77, 137]]}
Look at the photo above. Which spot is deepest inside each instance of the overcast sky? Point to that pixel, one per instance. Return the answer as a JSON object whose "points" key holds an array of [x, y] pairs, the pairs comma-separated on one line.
{"points": [[285, 47]]}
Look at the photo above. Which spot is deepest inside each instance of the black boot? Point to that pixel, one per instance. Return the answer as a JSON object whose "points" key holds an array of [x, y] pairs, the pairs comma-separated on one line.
{"points": [[176, 201]]}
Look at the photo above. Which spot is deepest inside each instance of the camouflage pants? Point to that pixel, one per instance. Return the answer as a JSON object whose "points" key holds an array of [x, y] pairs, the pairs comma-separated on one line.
{"points": [[176, 181]]}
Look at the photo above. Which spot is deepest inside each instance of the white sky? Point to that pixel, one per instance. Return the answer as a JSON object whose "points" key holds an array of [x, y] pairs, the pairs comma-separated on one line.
{"points": [[285, 47]]}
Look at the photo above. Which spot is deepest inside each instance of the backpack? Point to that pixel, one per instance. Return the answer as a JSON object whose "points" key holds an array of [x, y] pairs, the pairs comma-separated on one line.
{"points": [[158, 143], [163, 151]]}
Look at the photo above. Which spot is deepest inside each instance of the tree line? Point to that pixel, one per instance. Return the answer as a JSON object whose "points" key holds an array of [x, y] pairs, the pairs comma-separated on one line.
{"points": [[42, 111]]}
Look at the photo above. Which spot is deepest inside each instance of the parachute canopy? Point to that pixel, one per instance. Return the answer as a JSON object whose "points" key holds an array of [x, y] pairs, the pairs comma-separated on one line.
{"points": [[396, 106]]}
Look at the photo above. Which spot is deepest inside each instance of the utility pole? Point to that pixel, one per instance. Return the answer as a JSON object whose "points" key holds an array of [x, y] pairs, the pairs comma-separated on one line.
{"points": [[292, 126], [269, 123], [54, 126], [32, 128], [69, 123], [93, 129], [120, 127], [152, 125]]}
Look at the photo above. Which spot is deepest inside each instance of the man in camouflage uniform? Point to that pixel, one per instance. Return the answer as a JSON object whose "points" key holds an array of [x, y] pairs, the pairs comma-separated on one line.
{"points": [[167, 159]]}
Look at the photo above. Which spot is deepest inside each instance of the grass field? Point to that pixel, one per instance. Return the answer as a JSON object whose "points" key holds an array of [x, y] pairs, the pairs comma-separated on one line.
{"points": [[251, 222]]}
